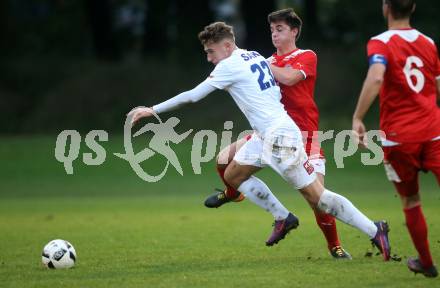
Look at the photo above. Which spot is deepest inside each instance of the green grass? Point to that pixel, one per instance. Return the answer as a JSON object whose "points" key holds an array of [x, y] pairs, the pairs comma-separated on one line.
{"points": [[129, 233]]}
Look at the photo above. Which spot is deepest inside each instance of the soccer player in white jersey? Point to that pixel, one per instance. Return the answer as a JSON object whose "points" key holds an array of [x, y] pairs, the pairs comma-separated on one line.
{"points": [[295, 71], [277, 140]]}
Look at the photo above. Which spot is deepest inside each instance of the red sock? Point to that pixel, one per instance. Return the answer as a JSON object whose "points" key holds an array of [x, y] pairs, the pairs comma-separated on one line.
{"points": [[415, 221], [327, 224], [230, 191]]}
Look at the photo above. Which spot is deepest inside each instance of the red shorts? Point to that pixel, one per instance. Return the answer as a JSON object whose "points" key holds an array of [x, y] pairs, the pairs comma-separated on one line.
{"points": [[404, 161]]}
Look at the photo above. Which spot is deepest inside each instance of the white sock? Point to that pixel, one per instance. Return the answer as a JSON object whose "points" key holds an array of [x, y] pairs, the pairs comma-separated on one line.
{"points": [[344, 210], [257, 191]]}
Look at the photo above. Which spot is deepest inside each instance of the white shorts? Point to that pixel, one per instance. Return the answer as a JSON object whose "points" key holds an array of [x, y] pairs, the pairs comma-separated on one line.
{"points": [[318, 164], [284, 154]]}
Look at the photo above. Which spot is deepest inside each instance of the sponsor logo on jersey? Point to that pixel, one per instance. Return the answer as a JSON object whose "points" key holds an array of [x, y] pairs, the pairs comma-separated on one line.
{"points": [[309, 167]]}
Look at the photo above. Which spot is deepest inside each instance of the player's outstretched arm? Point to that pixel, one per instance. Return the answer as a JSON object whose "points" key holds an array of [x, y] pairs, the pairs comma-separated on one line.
{"points": [[369, 91], [191, 96], [201, 91]]}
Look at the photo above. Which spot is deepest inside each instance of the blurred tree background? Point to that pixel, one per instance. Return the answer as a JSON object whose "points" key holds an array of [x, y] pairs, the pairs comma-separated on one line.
{"points": [[83, 64]]}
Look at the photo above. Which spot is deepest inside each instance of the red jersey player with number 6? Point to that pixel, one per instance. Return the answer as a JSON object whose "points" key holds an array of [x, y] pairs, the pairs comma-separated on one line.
{"points": [[405, 71]]}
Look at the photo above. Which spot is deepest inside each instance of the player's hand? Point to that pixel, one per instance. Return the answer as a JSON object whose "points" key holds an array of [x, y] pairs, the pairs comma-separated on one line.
{"points": [[139, 113], [359, 132]]}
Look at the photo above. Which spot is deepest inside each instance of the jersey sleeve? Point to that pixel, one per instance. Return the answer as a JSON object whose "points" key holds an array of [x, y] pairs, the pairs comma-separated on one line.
{"points": [[202, 90], [377, 52], [306, 64], [221, 77]]}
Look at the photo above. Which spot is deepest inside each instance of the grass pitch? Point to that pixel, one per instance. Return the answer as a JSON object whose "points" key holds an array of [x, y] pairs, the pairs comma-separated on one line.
{"points": [[129, 233]]}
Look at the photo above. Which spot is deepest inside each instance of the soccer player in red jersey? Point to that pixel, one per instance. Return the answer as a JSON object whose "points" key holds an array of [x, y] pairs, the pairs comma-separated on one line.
{"points": [[276, 141], [405, 72], [295, 71]]}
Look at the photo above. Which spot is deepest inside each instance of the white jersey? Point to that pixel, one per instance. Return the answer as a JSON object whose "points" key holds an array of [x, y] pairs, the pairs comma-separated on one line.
{"points": [[247, 77]]}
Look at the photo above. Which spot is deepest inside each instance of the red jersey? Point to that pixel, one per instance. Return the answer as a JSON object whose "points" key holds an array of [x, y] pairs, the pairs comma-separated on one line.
{"points": [[408, 96], [298, 99]]}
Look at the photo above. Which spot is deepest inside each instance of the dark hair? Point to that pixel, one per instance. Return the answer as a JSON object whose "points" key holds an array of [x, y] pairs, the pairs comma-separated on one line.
{"points": [[401, 8], [287, 16], [216, 32]]}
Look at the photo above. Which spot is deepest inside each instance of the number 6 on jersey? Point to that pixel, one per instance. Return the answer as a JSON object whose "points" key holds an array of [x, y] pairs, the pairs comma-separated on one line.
{"points": [[409, 71]]}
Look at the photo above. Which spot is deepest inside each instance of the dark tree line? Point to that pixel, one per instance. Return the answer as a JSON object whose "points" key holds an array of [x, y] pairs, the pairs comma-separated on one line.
{"points": [[77, 27]]}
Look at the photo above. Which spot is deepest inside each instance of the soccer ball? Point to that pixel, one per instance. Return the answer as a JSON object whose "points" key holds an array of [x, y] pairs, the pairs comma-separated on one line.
{"points": [[58, 254]]}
